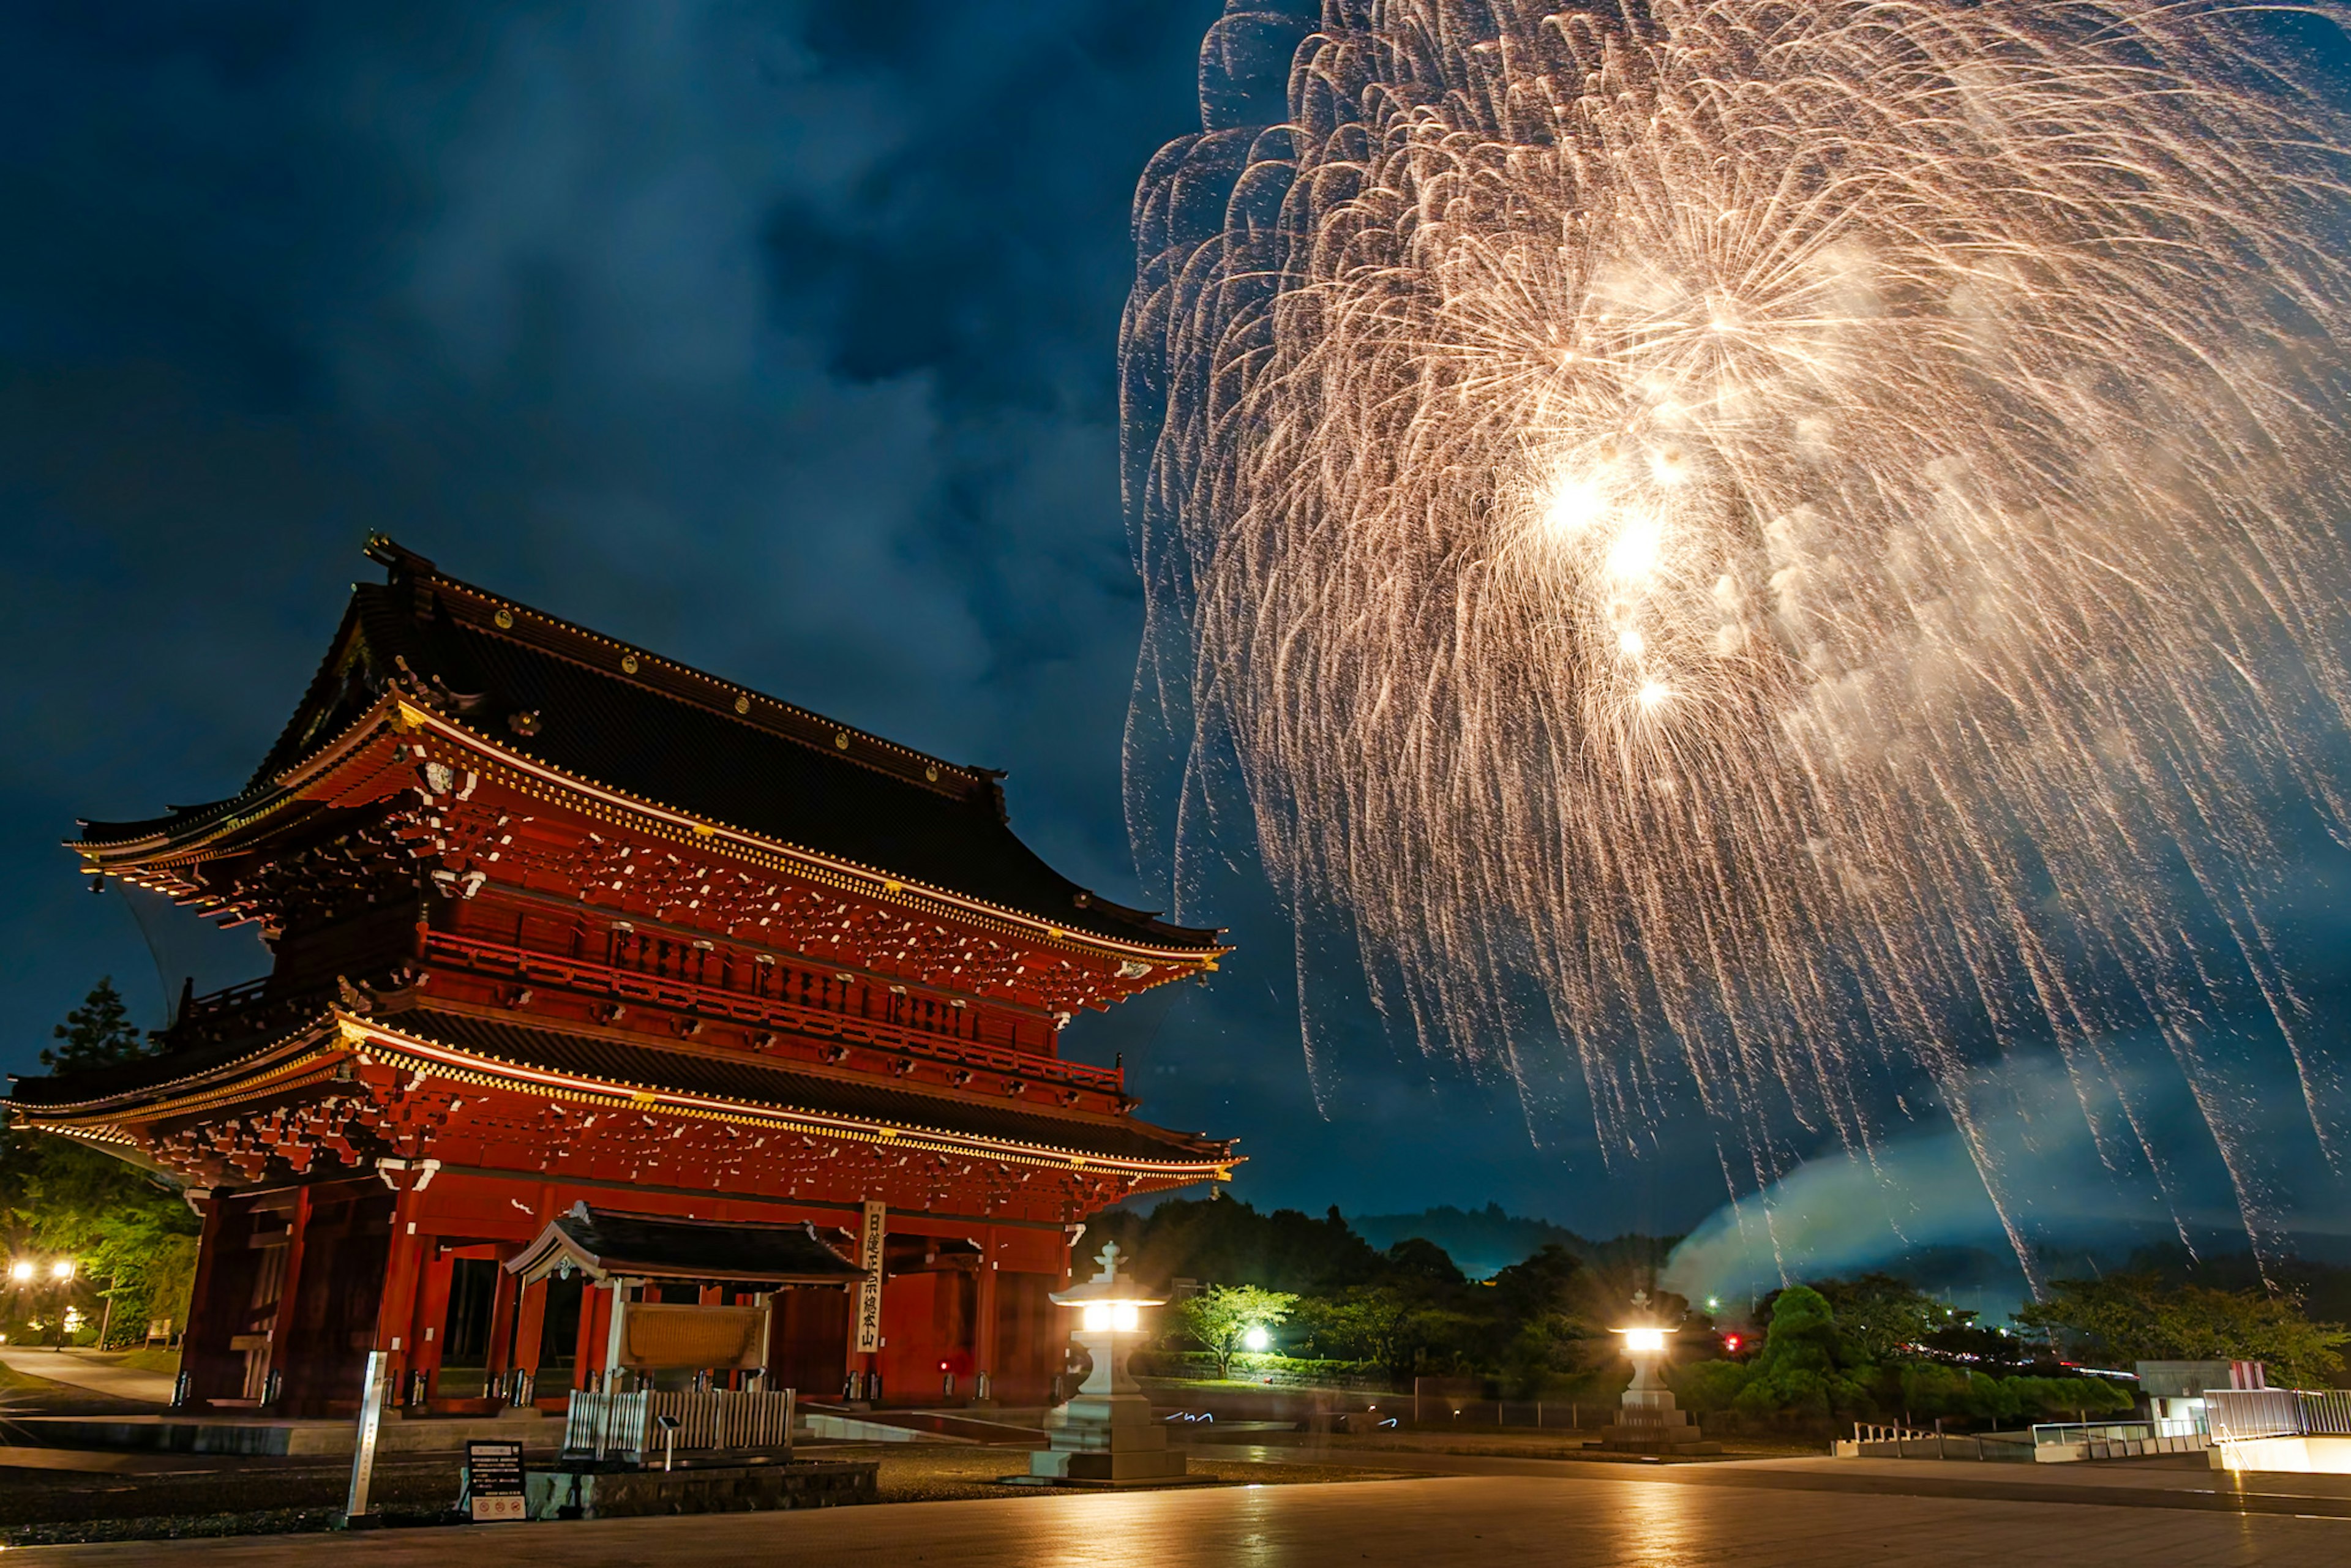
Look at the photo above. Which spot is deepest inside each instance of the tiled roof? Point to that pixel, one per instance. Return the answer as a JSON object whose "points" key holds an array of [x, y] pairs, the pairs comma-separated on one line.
{"points": [[614, 716], [645, 1245], [754, 1081], [626, 1064]]}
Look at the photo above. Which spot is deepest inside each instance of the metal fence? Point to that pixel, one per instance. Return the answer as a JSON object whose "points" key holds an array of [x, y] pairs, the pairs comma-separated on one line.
{"points": [[1434, 1409], [2240, 1413], [624, 1424], [2117, 1439]]}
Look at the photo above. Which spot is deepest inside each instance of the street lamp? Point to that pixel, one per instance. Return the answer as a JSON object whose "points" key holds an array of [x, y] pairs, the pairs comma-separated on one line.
{"points": [[21, 1271], [1257, 1339], [62, 1269]]}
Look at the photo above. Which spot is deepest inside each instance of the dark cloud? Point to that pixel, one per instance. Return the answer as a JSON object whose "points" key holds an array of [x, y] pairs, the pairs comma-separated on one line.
{"points": [[780, 338]]}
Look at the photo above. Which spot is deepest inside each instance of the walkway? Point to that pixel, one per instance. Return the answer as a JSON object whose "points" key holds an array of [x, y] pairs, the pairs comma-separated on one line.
{"points": [[1624, 1522], [96, 1370]]}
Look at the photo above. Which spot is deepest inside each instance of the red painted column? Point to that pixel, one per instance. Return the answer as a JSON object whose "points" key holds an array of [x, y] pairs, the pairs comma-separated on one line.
{"points": [[503, 1329], [281, 1330], [204, 1312], [983, 1333], [394, 1330]]}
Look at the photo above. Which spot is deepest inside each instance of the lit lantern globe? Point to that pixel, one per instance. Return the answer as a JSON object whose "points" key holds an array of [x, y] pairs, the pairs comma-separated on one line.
{"points": [[1644, 1340]]}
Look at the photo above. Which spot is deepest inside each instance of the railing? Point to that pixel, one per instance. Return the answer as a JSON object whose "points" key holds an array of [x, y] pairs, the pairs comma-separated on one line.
{"points": [[576, 974], [226, 999], [1863, 1432], [599, 1423], [2238, 1414], [2119, 1439], [624, 1424], [1872, 1441], [1433, 1409]]}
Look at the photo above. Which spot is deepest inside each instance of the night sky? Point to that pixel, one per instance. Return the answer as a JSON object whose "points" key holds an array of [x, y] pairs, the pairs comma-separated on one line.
{"points": [[780, 339]]}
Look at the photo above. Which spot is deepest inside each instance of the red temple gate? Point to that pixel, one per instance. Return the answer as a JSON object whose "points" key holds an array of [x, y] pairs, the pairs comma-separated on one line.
{"points": [[556, 921]]}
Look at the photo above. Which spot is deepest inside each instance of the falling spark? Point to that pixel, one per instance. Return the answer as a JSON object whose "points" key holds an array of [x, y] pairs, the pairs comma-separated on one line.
{"points": [[1801, 535]]}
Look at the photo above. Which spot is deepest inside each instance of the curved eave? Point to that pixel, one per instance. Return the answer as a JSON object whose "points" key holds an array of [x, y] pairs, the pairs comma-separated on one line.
{"points": [[400, 1049], [177, 840], [311, 1052], [184, 835]]}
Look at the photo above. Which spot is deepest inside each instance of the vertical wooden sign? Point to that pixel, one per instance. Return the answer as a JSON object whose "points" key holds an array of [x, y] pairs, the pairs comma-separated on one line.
{"points": [[868, 1295]]}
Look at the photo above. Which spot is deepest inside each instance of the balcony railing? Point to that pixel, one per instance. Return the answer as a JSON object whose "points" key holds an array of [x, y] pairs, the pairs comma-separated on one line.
{"points": [[581, 975]]}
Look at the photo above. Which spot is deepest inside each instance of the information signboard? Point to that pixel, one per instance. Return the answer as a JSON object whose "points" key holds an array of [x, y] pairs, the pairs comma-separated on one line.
{"points": [[494, 1480], [868, 1295]]}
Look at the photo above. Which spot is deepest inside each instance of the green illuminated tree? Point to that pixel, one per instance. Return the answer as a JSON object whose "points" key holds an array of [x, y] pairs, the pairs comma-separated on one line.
{"points": [[2140, 1317], [1221, 1316], [128, 1232]]}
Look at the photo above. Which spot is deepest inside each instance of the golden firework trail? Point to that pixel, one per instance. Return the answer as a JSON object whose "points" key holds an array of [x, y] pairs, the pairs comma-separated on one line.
{"points": [[1777, 542]]}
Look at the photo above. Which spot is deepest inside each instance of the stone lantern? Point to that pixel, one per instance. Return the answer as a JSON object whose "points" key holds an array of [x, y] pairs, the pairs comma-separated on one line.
{"points": [[1105, 1433], [1647, 1421]]}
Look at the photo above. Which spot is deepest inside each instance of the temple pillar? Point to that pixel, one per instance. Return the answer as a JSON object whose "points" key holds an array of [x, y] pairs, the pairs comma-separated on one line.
{"points": [[983, 1328], [290, 1292], [204, 1314], [504, 1301], [530, 1313], [394, 1323]]}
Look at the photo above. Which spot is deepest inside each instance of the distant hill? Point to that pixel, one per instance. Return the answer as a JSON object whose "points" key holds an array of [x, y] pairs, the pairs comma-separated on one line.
{"points": [[1485, 1241]]}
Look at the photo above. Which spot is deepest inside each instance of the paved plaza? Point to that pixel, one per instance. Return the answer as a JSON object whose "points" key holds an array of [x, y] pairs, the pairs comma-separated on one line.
{"points": [[1622, 1518]]}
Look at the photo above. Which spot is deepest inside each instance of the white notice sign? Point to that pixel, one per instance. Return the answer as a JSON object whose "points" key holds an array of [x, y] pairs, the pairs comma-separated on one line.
{"points": [[868, 1295]]}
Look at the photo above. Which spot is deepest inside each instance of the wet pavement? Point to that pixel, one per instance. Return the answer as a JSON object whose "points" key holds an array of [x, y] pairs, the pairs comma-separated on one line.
{"points": [[1645, 1518]]}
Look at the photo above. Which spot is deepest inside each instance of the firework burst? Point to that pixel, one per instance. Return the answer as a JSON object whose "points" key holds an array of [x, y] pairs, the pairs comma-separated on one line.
{"points": [[1801, 537]]}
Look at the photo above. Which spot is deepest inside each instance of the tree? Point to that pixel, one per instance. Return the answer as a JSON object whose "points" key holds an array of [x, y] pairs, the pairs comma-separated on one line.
{"points": [[128, 1231], [1421, 1260], [1880, 1316], [1221, 1316], [1806, 1368], [2138, 1317], [98, 1033]]}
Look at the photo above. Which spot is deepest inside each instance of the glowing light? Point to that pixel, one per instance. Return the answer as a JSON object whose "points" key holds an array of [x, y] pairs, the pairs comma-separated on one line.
{"points": [[62, 1269], [1118, 1317], [21, 1270], [1644, 1342], [1937, 530], [1257, 1339], [1574, 505], [1632, 553], [1730, 1343]]}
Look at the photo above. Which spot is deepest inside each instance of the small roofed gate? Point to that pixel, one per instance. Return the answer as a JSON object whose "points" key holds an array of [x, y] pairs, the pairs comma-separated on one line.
{"points": [[685, 1301], [555, 920]]}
